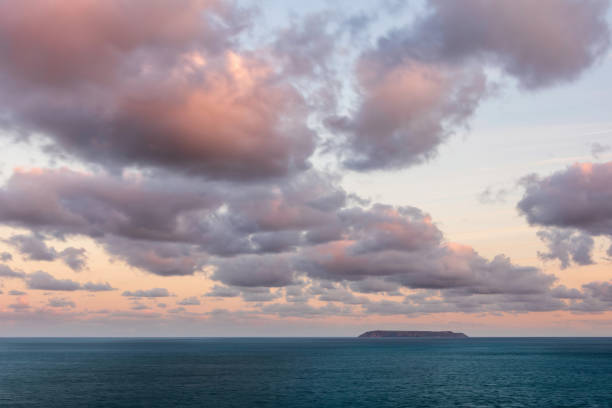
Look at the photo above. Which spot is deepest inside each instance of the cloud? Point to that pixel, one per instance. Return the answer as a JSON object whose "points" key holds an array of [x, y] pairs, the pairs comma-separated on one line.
{"points": [[75, 258], [190, 301], [492, 196], [169, 225], [33, 246], [176, 91], [7, 272], [422, 82], [577, 198], [597, 298], [16, 293], [97, 287], [597, 149], [407, 111], [223, 292], [6, 256], [149, 293], [538, 43], [20, 306], [255, 270], [565, 245], [140, 306], [61, 303], [44, 281]]}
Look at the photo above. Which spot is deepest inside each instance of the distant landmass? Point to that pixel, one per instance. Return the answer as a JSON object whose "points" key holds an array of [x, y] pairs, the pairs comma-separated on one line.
{"points": [[401, 333]]}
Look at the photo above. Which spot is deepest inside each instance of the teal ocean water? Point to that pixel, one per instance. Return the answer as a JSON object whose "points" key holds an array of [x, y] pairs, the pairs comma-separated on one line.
{"points": [[306, 372]]}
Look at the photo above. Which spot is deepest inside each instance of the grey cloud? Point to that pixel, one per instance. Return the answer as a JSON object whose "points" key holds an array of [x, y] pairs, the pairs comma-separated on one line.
{"points": [[492, 196], [577, 198], [540, 43], [374, 285], [169, 225], [258, 294], [223, 292], [562, 292], [61, 302], [255, 270], [75, 258], [422, 82], [303, 310], [44, 281], [160, 258], [6, 256], [149, 293], [598, 298], [34, 247], [16, 293], [402, 246], [7, 272], [408, 111], [306, 45], [566, 246], [174, 91], [97, 287], [19, 306], [343, 296], [190, 301]]}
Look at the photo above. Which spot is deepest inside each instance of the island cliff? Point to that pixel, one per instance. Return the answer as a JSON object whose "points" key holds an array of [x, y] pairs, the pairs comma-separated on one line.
{"points": [[399, 333]]}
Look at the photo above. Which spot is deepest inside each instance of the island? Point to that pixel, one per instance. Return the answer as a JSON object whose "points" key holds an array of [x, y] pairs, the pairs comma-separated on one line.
{"points": [[400, 333]]}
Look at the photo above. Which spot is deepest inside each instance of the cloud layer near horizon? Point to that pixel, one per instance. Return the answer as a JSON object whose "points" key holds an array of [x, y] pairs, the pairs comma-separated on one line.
{"points": [[193, 149]]}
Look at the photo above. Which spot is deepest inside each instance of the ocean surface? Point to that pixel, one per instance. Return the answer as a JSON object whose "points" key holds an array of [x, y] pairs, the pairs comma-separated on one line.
{"points": [[306, 372]]}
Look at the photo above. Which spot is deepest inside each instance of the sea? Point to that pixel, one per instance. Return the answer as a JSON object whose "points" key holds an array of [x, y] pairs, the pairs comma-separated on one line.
{"points": [[305, 372]]}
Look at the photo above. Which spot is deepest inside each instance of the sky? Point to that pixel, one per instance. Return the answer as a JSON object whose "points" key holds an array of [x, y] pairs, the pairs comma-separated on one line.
{"points": [[321, 168]]}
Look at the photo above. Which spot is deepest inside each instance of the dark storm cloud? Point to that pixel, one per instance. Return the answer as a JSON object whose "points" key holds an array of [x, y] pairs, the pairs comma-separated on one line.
{"points": [[173, 91], [149, 293], [423, 82]]}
